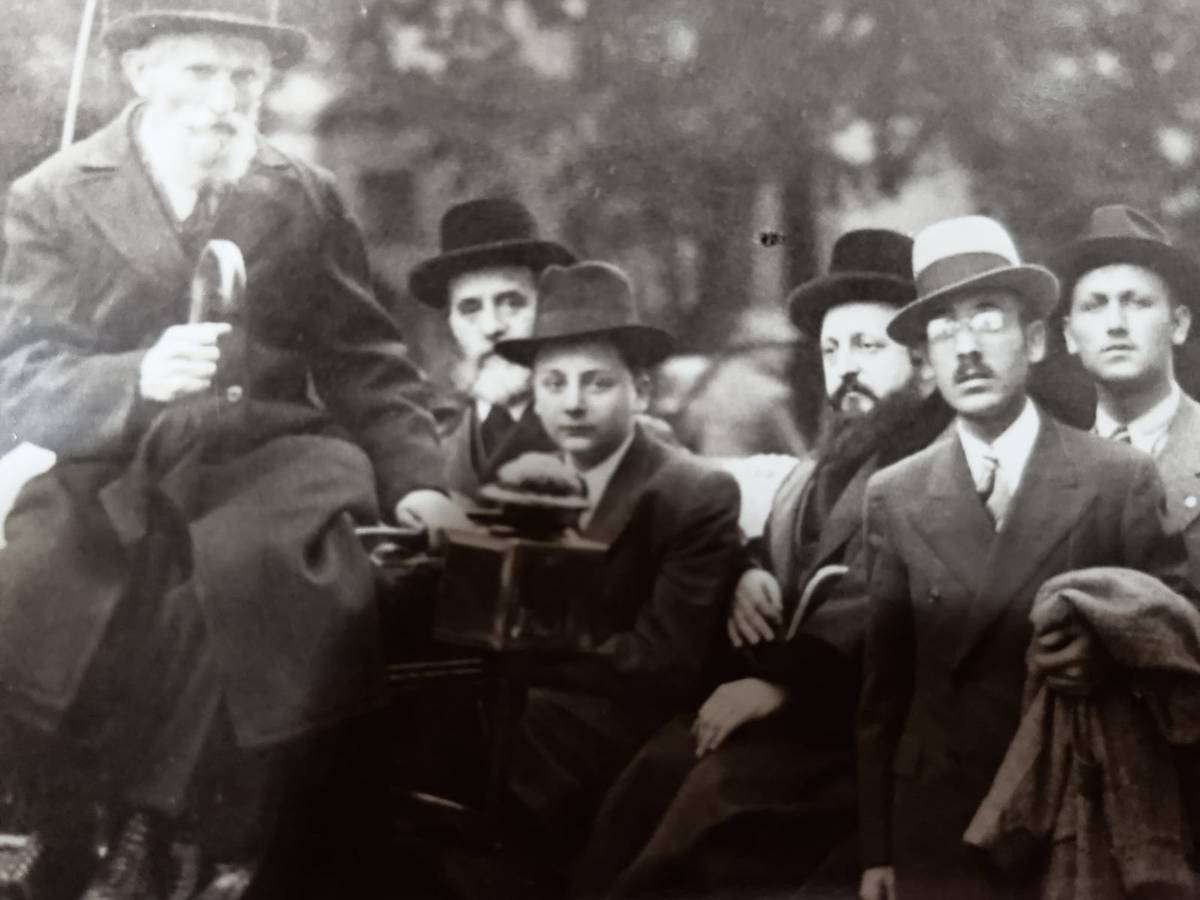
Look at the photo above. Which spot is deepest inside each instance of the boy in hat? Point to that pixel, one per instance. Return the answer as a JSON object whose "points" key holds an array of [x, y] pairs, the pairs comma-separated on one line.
{"points": [[757, 788], [670, 524], [1127, 296], [959, 538], [485, 281], [186, 580]]}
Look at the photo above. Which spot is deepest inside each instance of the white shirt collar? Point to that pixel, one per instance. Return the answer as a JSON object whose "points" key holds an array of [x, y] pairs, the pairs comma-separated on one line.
{"points": [[1148, 432], [516, 410], [600, 475], [1011, 449]]}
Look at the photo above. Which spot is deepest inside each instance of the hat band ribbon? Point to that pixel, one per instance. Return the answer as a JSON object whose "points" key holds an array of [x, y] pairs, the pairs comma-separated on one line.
{"points": [[952, 269]]}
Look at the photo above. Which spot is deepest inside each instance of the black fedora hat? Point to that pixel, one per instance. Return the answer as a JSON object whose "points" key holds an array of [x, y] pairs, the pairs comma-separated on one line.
{"points": [[867, 264], [585, 301], [140, 22], [1122, 234], [491, 231]]}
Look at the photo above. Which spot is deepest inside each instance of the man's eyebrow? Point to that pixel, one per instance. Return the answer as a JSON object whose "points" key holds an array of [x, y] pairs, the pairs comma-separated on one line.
{"points": [[510, 294]]}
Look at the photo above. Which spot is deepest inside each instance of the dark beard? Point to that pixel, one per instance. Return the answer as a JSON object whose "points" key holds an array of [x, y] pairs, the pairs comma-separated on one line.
{"points": [[899, 425]]}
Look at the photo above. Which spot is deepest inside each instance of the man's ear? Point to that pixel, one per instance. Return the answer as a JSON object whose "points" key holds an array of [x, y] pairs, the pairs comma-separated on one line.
{"points": [[1181, 317], [642, 387], [926, 384], [1068, 338], [133, 67], [1035, 340]]}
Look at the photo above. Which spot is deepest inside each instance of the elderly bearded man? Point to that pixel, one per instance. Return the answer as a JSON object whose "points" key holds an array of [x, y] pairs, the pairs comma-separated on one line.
{"points": [[751, 794], [187, 577]]}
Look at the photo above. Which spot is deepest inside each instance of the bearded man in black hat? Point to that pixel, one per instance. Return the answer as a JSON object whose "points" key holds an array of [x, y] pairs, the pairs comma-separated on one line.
{"points": [[670, 523], [187, 577], [1127, 301], [485, 281], [757, 788]]}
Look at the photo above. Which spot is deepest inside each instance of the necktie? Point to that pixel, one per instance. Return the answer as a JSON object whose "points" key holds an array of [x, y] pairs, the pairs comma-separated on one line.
{"points": [[994, 490], [198, 226], [496, 425], [1121, 436]]}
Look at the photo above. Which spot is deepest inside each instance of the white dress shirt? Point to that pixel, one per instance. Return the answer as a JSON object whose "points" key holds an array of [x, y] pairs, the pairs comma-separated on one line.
{"points": [[598, 477], [1148, 432], [1011, 449], [516, 410]]}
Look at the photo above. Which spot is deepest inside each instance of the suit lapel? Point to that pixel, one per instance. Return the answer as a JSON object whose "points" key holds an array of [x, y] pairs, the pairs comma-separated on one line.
{"points": [[624, 491], [845, 519], [787, 509], [1179, 468], [1048, 502], [460, 467], [261, 203], [953, 521], [116, 194]]}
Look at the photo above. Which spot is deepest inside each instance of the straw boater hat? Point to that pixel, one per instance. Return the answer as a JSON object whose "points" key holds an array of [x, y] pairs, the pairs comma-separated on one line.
{"points": [[1122, 234], [868, 264], [493, 231], [589, 300], [969, 254], [142, 21]]}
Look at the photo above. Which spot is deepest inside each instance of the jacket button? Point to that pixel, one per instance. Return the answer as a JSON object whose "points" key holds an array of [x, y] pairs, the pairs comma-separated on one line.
{"points": [[234, 393], [935, 597]]}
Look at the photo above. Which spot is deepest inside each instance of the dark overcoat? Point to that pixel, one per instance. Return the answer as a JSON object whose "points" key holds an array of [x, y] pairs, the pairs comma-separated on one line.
{"points": [[948, 630], [322, 424], [671, 525]]}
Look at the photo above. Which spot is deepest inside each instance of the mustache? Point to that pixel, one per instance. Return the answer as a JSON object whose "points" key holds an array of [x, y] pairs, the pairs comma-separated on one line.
{"points": [[851, 383], [972, 369]]}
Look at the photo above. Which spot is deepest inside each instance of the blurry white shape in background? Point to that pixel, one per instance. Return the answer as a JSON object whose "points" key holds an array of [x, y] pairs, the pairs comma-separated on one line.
{"points": [[17, 466], [759, 478]]}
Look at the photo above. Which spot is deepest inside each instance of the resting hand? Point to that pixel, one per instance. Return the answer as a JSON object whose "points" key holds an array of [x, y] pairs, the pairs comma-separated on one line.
{"points": [[731, 706], [878, 883], [428, 510], [757, 608], [1070, 658], [182, 362]]}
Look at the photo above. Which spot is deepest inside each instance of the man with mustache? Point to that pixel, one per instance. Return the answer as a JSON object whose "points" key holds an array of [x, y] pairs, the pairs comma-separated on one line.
{"points": [[959, 537], [750, 794], [1127, 304], [485, 280], [183, 596]]}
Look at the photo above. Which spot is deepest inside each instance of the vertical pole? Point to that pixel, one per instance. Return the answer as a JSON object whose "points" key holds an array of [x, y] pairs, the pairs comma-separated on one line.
{"points": [[275, 12], [75, 90]]}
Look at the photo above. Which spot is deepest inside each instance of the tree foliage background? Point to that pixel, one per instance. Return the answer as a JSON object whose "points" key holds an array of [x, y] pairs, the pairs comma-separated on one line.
{"points": [[664, 115]]}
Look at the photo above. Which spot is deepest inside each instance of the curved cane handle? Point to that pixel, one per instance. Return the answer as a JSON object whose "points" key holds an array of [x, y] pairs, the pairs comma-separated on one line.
{"points": [[218, 283]]}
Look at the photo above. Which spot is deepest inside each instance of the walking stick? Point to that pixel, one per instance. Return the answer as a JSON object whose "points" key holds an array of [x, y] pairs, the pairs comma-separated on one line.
{"points": [[75, 90]]}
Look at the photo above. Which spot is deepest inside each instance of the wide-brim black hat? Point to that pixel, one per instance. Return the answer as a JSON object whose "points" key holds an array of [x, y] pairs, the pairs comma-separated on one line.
{"points": [[589, 301], [1122, 234], [872, 264], [493, 231], [288, 45], [969, 255]]}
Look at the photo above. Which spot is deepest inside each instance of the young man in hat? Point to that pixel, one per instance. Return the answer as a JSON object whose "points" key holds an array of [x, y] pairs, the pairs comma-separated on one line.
{"points": [[758, 787], [185, 587], [485, 280], [1127, 304], [670, 524], [959, 538]]}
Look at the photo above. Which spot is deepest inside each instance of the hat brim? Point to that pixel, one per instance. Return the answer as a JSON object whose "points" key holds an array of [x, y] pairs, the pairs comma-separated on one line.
{"points": [[1036, 287], [1075, 260], [429, 279], [641, 345], [809, 302], [288, 45]]}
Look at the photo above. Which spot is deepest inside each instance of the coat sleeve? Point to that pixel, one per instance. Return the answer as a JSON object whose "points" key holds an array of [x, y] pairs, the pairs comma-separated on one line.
{"points": [[1148, 546], [671, 642], [887, 677], [362, 370], [59, 386]]}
